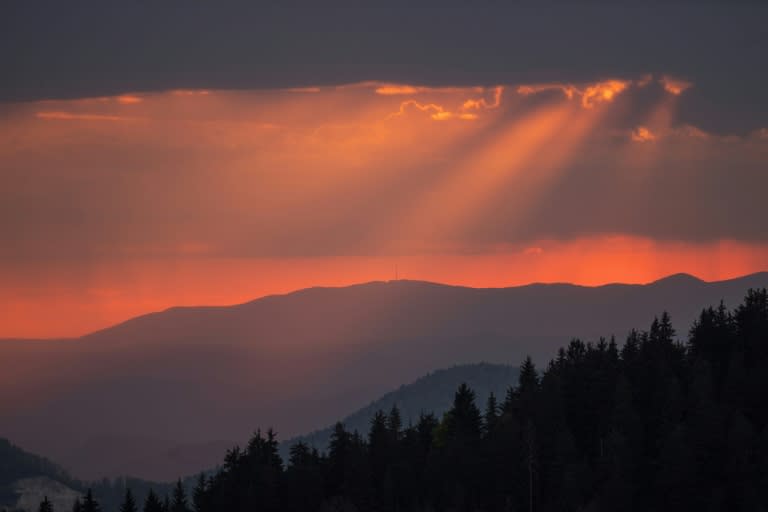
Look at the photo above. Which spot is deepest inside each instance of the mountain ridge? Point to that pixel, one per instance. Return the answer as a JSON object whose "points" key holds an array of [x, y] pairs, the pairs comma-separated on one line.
{"points": [[672, 278]]}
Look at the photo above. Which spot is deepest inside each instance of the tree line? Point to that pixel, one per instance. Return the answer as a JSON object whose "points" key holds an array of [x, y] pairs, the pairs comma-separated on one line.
{"points": [[654, 424]]}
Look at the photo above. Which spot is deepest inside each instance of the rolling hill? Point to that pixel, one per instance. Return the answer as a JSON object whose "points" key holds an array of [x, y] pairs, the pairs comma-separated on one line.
{"points": [[432, 393], [26, 478]]}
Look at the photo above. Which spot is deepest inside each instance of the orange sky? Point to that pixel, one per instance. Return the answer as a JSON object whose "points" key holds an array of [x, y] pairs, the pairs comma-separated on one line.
{"points": [[117, 206], [70, 304]]}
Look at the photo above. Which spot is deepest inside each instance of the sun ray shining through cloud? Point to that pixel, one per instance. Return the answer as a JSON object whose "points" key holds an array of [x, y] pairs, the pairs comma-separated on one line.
{"points": [[549, 164], [507, 156]]}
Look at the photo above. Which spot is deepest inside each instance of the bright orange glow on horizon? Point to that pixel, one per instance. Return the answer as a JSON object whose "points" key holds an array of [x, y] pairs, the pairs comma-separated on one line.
{"points": [[135, 203], [104, 295]]}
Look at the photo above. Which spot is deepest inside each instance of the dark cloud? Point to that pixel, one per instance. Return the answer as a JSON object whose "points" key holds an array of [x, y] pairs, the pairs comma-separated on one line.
{"points": [[60, 49]]}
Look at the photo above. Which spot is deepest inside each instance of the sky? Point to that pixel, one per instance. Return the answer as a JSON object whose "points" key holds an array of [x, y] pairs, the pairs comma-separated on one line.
{"points": [[154, 155]]}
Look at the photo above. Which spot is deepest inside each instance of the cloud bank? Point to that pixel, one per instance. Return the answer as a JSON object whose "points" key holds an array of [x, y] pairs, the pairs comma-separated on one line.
{"points": [[80, 48]]}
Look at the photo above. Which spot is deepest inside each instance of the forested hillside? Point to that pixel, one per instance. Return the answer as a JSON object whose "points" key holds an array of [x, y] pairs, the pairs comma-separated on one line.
{"points": [[653, 424], [431, 393]]}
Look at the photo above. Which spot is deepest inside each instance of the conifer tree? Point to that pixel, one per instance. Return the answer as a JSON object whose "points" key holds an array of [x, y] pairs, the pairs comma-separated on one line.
{"points": [[300, 454], [666, 331], [491, 413], [425, 430], [198, 495], [89, 503], [751, 319], [511, 402], [45, 505], [528, 387], [529, 378], [379, 443], [272, 450], [631, 347], [129, 504], [340, 447], [179, 503], [378, 429], [394, 422], [463, 420], [153, 503]]}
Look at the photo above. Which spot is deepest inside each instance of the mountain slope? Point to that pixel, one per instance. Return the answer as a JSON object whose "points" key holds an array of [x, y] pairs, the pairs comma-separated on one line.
{"points": [[432, 393], [188, 381], [26, 478]]}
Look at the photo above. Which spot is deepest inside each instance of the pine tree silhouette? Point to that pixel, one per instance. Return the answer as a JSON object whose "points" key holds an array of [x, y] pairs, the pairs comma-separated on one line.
{"points": [[651, 425], [90, 504], [491, 413], [129, 504], [179, 503], [199, 494], [45, 505], [152, 503], [394, 422]]}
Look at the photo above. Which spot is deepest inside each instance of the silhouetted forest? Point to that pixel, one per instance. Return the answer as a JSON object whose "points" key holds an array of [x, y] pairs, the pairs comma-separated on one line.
{"points": [[432, 392], [653, 424]]}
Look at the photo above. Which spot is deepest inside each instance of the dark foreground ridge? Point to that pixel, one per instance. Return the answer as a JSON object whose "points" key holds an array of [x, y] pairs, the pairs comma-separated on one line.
{"points": [[654, 425]]}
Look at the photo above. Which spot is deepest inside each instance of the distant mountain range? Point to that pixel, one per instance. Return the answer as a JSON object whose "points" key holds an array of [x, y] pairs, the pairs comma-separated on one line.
{"points": [[164, 394]]}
